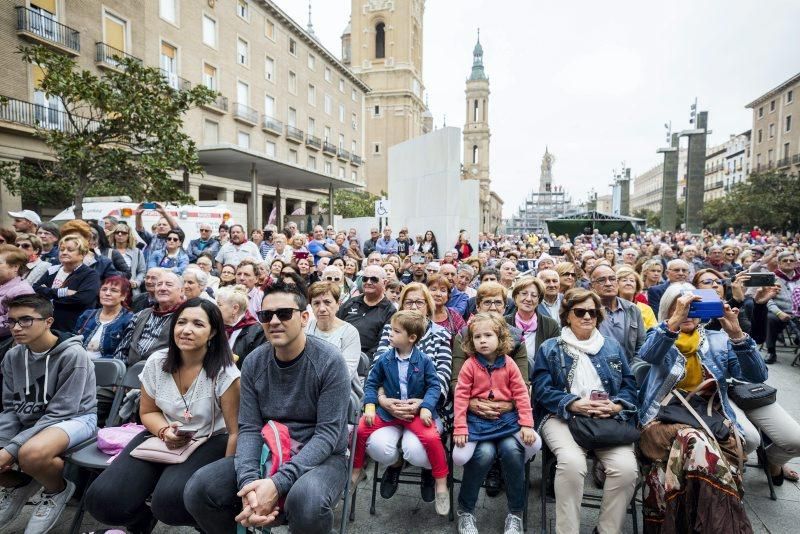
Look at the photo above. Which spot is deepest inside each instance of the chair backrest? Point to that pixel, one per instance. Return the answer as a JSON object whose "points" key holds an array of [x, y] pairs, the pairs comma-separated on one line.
{"points": [[363, 365], [128, 380], [108, 372], [354, 410], [131, 379]]}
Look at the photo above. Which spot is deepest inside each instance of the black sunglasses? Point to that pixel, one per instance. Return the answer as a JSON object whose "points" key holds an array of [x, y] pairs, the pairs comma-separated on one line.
{"points": [[583, 312], [174, 239], [284, 314], [24, 245], [333, 279], [121, 232], [371, 279]]}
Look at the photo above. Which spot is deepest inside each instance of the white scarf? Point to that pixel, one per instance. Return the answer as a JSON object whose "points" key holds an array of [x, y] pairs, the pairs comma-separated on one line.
{"points": [[585, 378], [588, 346]]}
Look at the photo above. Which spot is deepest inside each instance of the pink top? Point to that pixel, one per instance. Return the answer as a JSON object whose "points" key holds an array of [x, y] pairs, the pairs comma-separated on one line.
{"points": [[506, 383]]}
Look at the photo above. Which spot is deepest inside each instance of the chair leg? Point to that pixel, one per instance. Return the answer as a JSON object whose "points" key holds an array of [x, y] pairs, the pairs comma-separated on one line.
{"points": [[451, 485], [543, 492], [634, 516], [374, 490], [75, 528], [353, 506], [527, 494]]}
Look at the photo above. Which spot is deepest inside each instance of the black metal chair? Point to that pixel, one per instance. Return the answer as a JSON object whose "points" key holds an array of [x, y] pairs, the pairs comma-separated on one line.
{"points": [[589, 500]]}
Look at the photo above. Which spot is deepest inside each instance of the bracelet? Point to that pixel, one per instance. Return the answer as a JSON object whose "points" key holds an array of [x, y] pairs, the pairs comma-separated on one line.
{"points": [[162, 431], [742, 339]]}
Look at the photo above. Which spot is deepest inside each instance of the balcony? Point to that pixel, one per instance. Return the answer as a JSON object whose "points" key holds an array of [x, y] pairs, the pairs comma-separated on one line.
{"points": [[329, 148], [314, 143], [796, 159], [343, 154], [108, 57], [31, 116], [785, 162], [44, 30], [356, 160], [271, 125], [218, 105], [294, 135], [245, 114], [175, 81]]}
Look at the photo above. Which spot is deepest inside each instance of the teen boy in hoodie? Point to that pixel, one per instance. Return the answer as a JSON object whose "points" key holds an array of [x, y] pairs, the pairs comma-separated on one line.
{"points": [[49, 406]]}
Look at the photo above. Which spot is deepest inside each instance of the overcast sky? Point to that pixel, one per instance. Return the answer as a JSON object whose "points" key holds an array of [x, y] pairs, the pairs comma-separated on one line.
{"points": [[594, 81]]}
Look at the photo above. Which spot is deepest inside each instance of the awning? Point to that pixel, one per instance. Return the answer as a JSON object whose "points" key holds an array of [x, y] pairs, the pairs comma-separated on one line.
{"points": [[236, 163]]}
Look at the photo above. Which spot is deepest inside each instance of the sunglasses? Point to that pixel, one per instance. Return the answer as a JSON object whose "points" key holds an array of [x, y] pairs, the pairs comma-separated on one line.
{"points": [[569, 274], [371, 279], [121, 232], [24, 245], [284, 314], [173, 239], [583, 312], [333, 279]]}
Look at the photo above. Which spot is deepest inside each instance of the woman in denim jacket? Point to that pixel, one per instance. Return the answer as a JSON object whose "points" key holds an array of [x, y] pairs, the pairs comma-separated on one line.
{"points": [[102, 329], [591, 363], [685, 461]]}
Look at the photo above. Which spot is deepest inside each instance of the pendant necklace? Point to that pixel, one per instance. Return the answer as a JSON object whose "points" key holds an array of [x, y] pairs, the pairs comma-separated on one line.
{"points": [[187, 415]]}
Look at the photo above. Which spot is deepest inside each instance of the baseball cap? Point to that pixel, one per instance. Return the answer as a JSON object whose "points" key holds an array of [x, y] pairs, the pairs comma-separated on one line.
{"points": [[29, 215]]}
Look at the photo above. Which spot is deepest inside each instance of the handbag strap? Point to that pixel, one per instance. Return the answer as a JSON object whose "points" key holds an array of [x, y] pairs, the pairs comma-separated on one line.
{"points": [[213, 404]]}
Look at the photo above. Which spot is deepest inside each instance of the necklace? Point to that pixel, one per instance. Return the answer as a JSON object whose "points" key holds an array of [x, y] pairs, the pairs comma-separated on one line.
{"points": [[187, 415]]}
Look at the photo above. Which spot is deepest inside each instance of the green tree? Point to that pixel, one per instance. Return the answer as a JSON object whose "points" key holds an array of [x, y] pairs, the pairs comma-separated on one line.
{"points": [[120, 132], [352, 203], [652, 218]]}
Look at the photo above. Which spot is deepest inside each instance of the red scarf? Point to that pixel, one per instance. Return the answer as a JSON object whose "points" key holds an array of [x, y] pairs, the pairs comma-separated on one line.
{"points": [[159, 313], [246, 320], [784, 276]]}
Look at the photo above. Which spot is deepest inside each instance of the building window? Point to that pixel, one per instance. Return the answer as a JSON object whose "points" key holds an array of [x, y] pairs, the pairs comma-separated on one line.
{"points": [[311, 164], [772, 106], [341, 113], [353, 95], [209, 31], [210, 132], [242, 52], [475, 153], [376, 111], [243, 93], [271, 149], [327, 134], [354, 120], [210, 76], [168, 10], [328, 75], [341, 85], [341, 141], [269, 68], [292, 83], [789, 96], [243, 139], [312, 95], [380, 40], [788, 123], [243, 9], [475, 111], [376, 148], [341, 173], [312, 126], [328, 104], [269, 29], [760, 112], [759, 135], [269, 106], [786, 151], [353, 147], [312, 61], [291, 118], [328, 167], [772, 130], [115, 32], [292, 158], [292, 46], [169, 63], [354, 176], [769, 156]]}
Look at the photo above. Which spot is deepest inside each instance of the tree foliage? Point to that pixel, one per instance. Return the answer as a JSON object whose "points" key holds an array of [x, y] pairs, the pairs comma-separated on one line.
{"points": [[350, 203], [770, 200], [119, 133]]}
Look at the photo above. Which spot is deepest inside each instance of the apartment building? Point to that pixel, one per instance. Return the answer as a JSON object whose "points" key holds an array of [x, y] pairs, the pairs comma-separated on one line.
{"points": [[285, 131], [775, 135], [647, 187], [714, 182]]}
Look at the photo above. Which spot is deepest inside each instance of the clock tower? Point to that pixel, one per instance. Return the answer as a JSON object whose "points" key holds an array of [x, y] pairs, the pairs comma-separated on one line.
{"points": [[476, 132]]}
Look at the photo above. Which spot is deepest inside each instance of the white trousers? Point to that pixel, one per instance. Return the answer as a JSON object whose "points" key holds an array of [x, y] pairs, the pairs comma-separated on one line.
{"points": [[382, 446]]}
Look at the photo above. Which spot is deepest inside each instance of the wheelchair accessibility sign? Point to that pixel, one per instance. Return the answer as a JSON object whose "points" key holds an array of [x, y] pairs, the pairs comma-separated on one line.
{"points": [[381, 208]]}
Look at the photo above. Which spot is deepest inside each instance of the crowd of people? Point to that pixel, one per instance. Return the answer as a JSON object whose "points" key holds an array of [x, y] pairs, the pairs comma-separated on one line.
{"points": [[586, 346]]}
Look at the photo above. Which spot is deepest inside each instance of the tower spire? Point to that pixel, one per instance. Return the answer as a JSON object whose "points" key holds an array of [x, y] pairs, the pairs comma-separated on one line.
{"points": [[477, 60], [310, 26]]}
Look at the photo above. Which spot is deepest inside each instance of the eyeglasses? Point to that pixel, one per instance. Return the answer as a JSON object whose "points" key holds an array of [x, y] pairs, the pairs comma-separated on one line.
{"points": [[528, 295], [173, 239], [492, 304], [24, 245], [371, 279], [604, 280], [23, 322], [788, 260], [123, 232], [333, 279], [205, 229], [709, 282], [431, 271], [583, 312], [284, 314], [414, 304], [110, 289]]}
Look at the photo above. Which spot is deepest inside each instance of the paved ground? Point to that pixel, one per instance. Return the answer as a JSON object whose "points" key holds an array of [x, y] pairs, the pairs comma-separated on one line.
{"points": [[406, 513]]}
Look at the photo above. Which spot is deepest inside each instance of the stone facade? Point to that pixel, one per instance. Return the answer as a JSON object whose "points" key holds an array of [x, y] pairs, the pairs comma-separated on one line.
{"points": [[775, 134]]}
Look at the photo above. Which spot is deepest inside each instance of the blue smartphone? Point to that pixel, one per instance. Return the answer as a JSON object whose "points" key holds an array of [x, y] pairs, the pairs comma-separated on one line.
{"points": [[149, 205]]}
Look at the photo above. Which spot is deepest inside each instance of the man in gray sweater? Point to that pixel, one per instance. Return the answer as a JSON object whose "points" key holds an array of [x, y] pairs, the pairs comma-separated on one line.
{"points": [[303, 383], [49, 406]]}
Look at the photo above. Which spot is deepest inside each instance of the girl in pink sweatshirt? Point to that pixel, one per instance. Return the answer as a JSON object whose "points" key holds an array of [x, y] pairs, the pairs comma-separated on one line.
{"points": [[490, 374]]}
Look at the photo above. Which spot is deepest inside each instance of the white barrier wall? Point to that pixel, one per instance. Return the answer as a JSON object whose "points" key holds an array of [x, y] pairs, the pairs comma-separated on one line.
{"points": [[426, 190]]}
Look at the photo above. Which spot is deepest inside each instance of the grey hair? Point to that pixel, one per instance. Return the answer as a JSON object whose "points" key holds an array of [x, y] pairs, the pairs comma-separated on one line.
{"points": [[467, 269], [199, 274], [677, 261], [234, 295], [672, 292]]}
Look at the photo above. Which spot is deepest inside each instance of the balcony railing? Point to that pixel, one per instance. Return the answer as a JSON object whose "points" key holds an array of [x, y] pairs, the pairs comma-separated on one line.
{"points": [[219, 104], [329, 148], [796, 159], [245, 114], [356, 160], [44, 29], [785, 162], [343, 154], [294, 134], [313, 142], [108, 56], [32, 115], [175, 81], [271, 125]]}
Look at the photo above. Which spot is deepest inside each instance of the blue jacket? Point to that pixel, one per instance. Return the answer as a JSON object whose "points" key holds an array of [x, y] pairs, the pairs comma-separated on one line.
{"points": [[550, 395], [422, 381], [88, 323], [198, 246], [386, 247], [458, 301], [654, 294], [719, 356], [177, 265]]}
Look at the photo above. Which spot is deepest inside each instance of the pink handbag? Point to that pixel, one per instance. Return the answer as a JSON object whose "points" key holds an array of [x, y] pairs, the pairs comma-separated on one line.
{"points": [[112, 440]]}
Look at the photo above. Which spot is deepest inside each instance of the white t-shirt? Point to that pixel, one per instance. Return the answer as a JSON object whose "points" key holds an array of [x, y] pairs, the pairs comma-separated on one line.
{"points": [[345, 338], [61, 275], [162, 388], [94, 343]]}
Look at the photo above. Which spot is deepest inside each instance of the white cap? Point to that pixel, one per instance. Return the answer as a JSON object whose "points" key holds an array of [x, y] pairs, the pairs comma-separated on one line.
{"points": [[29, 215]]}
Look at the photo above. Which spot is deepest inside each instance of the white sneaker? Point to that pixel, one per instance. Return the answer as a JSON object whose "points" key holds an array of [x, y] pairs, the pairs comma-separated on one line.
{"points": [[13, 499], [48, 510], [466, 523], [513, 524]]}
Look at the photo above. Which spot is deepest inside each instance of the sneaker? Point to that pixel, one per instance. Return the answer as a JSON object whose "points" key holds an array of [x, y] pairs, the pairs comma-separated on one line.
{"points": [[513, 524], [390, 481], [48, 510], [427, 488], [771, 358], [466, 523], [13, 499], [443, 503]]}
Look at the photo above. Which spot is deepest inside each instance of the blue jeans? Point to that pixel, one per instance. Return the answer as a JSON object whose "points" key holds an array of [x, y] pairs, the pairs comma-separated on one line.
{"points": [[512, 458]]}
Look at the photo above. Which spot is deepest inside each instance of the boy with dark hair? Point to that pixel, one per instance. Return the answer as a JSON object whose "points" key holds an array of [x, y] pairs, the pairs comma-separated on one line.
{"points": [[49, 406]]}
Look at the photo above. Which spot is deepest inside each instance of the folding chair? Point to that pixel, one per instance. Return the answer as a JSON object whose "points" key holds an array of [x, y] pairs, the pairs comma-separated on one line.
{"points": [[353, 415], [792, 335], [761, 454], [87, 456], [588, 500]]}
